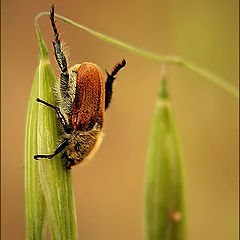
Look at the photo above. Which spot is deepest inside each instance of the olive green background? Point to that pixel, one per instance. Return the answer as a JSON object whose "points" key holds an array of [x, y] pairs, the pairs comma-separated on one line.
{"points": [[109, 190]]}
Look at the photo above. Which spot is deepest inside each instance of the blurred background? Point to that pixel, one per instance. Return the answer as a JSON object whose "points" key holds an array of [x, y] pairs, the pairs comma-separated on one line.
{"points": [[109, 190]]}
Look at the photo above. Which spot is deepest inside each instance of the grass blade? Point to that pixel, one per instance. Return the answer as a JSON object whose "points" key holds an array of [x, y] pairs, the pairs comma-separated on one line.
{"points": [[56, 181], [34, 199], [164, 217], [48, 185]]}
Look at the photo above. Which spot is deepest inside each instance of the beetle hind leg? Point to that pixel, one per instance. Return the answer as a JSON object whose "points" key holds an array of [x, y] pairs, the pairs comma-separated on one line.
{"points": [[60, 57]]}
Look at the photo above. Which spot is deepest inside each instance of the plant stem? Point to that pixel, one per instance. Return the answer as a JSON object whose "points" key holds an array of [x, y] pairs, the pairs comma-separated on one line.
{"points": [[164, 59]]}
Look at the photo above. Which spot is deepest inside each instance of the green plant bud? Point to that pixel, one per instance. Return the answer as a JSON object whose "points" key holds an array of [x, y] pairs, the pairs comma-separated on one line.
{"points": [[34, 199], [164, 217], [48, 185]]}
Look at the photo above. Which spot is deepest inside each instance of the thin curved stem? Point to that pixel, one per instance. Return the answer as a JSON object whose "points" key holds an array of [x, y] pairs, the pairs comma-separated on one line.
{"points": [[164, 59]]}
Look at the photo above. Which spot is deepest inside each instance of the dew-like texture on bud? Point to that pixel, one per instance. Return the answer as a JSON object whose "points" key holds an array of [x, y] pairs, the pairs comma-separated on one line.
{"points": [[164, 216], [49, 194]]}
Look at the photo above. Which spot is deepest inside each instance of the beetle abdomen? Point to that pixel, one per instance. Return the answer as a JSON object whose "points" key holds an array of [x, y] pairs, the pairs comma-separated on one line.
{"points": [[84, 145]]}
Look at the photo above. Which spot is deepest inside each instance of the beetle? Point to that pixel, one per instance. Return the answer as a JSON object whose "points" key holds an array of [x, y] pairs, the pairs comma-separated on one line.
{"points": [[83, 97]]}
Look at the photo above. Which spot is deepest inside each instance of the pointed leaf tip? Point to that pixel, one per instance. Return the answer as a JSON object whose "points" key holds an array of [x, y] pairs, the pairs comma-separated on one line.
{"points": [[43, 51], [162, 92]]}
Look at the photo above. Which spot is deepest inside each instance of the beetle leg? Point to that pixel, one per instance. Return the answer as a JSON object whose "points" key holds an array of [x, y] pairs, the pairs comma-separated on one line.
{"points": [[59, 55], [59, 149], [110, 79], [66, 127]]}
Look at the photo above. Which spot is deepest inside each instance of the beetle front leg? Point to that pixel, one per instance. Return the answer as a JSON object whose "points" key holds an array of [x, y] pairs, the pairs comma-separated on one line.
{"points": [[59, 149], [68, 161]]}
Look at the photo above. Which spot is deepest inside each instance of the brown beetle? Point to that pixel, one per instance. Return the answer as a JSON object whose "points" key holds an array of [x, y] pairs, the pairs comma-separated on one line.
{"points": [[83, 97]]}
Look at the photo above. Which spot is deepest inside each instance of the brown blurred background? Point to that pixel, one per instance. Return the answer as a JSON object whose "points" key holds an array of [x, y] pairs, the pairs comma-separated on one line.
{"points": [[109, 191]]}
